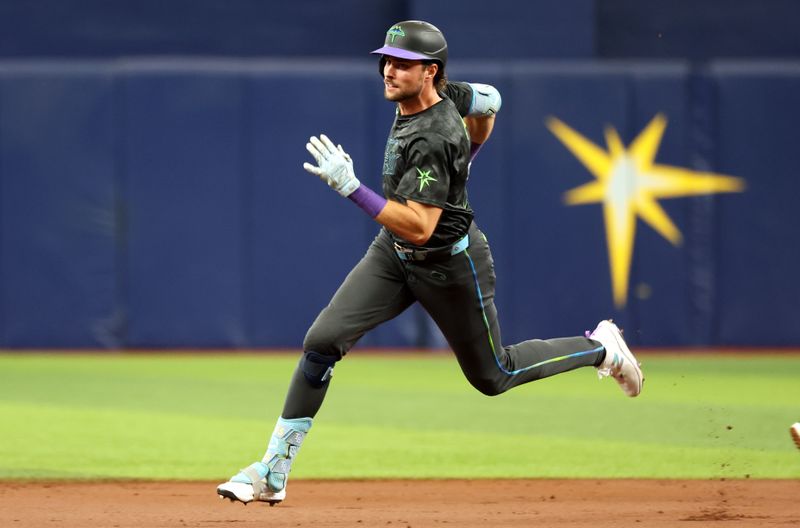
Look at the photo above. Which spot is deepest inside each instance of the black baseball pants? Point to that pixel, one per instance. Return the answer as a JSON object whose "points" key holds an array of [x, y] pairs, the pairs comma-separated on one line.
{"points": [[458, 293]]}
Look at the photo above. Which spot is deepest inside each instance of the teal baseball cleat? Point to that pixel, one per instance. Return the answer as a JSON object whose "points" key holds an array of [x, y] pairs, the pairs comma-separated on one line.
{"points": [[265, 481]]}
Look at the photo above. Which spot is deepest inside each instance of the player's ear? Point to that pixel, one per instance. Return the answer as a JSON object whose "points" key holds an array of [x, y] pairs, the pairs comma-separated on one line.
{"points": [[431, 69]]}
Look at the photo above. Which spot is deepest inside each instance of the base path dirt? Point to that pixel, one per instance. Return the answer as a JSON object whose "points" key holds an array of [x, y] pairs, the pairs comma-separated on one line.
{"points": [[415, 504]]}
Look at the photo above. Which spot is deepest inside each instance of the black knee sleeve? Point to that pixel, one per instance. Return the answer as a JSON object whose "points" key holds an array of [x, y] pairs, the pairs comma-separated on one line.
{"points": [[317, 368]]}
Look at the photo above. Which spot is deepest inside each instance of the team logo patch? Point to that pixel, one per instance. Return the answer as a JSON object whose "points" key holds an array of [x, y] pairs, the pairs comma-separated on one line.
{"points": [[424, 178], [394, 32]]}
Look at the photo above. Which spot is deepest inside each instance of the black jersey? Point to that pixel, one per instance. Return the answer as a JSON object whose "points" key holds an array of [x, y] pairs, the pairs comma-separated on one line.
{"points": [[427, 161]]}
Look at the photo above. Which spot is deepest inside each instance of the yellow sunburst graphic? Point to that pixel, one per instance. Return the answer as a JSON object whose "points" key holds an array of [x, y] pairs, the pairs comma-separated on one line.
{"points": [[629, 183]]}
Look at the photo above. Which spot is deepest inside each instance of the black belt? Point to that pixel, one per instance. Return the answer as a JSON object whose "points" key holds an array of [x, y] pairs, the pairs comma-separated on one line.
{"points": [[431, 254]]}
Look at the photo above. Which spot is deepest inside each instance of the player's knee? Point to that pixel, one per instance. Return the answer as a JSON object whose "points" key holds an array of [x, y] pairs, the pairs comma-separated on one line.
{"points": [[488, 386], [324, 339], [317, 368]]}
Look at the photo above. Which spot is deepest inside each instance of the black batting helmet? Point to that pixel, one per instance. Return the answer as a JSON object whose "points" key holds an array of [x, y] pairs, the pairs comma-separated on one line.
{"points": [[414, 40]]}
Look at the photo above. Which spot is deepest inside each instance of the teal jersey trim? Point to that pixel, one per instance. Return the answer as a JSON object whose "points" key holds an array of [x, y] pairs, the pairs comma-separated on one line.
{"points": [[491, 341]]}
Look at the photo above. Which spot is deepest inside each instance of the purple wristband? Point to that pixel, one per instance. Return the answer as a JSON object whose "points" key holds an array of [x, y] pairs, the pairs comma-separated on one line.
{"points": [[473, 150], [368, 200]]}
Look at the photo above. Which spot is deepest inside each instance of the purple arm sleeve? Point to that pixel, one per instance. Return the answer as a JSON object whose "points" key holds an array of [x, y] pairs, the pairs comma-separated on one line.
{"points": [[368, 200], [473, 150]]}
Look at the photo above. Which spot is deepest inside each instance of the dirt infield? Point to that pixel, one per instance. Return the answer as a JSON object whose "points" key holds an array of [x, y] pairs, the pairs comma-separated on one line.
{"points": [[415, 504]]}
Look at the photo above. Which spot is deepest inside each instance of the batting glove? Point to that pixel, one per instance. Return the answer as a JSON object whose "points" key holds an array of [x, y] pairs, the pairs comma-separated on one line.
{"points": [[334, 165]]}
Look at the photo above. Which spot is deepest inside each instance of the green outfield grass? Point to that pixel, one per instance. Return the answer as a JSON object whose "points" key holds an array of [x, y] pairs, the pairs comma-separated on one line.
{"points": [[204, 417]]}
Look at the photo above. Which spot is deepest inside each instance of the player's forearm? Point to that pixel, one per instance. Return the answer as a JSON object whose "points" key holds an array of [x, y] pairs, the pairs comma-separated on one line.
{"points": [[479, 128], [413, 222]]}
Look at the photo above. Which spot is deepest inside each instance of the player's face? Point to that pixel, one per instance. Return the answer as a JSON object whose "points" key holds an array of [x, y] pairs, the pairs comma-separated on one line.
{"points": [[402, 78]]}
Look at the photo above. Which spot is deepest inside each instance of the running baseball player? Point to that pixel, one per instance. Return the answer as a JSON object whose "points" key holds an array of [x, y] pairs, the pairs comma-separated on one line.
{"points": [[429, 250]]}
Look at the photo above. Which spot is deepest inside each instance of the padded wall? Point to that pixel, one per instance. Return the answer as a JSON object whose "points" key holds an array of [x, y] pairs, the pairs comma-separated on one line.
{"points": [[57, 208], [304, 237], [181, 156], [164, 204], [559, 264], [758, 110]]}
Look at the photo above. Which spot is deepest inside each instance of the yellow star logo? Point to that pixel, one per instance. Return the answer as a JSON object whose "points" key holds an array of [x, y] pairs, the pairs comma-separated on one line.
{"points": [[629, 182]]}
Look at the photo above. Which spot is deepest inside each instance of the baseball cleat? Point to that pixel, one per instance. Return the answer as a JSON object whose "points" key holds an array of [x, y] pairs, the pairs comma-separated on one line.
{"points": [[794, 430], [247, 493], [619, 362], [265, 481]]}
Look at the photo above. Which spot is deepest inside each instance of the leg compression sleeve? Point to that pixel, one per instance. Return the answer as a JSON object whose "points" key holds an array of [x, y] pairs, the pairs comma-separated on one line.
{"points": [[309, 385], [317, 368]]}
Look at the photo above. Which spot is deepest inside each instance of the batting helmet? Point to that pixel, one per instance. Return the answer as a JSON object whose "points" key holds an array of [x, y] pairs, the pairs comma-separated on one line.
{"points": [[414, 40]]}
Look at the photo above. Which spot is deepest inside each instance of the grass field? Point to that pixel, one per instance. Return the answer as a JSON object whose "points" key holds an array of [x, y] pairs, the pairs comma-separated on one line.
{"points": [[205, 416]]}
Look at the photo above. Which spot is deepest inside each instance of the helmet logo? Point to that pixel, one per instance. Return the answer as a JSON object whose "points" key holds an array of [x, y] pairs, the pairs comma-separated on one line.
{"points": [[394, 32]]}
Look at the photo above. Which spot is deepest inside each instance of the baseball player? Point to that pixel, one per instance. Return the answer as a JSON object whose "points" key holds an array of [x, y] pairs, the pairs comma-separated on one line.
{"points": [[429, 250]]}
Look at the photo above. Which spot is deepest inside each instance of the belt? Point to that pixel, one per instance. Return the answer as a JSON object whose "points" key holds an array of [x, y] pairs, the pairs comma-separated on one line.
{"points": [[431, 254]]}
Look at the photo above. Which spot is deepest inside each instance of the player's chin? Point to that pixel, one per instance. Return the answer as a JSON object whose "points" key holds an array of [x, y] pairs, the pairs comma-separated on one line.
{"points": [[392, 94]]}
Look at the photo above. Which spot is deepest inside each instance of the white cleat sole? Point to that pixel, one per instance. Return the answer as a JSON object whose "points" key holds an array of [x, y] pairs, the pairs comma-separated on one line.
{"points": [[240, 492], [794, 430], [236, 491]]}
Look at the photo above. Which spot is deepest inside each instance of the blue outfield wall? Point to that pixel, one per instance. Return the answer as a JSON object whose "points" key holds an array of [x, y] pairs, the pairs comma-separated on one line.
{"points": [[57, 218], [162, 203]]}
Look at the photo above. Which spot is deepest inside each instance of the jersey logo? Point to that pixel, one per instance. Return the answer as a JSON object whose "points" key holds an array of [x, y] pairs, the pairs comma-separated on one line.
{"points": [[394, 32], [390, 156], [424, 178]]}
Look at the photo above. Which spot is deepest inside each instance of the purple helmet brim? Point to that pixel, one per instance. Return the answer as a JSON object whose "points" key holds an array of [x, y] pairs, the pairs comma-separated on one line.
{"points": [[399, 53]]}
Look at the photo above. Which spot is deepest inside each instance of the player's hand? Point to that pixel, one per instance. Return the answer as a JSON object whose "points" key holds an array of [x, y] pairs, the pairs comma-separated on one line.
{"points": [[334, 165]]}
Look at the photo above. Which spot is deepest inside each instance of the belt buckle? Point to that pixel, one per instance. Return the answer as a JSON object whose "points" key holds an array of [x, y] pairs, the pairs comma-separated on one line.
{"points": [[410, 254]]}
